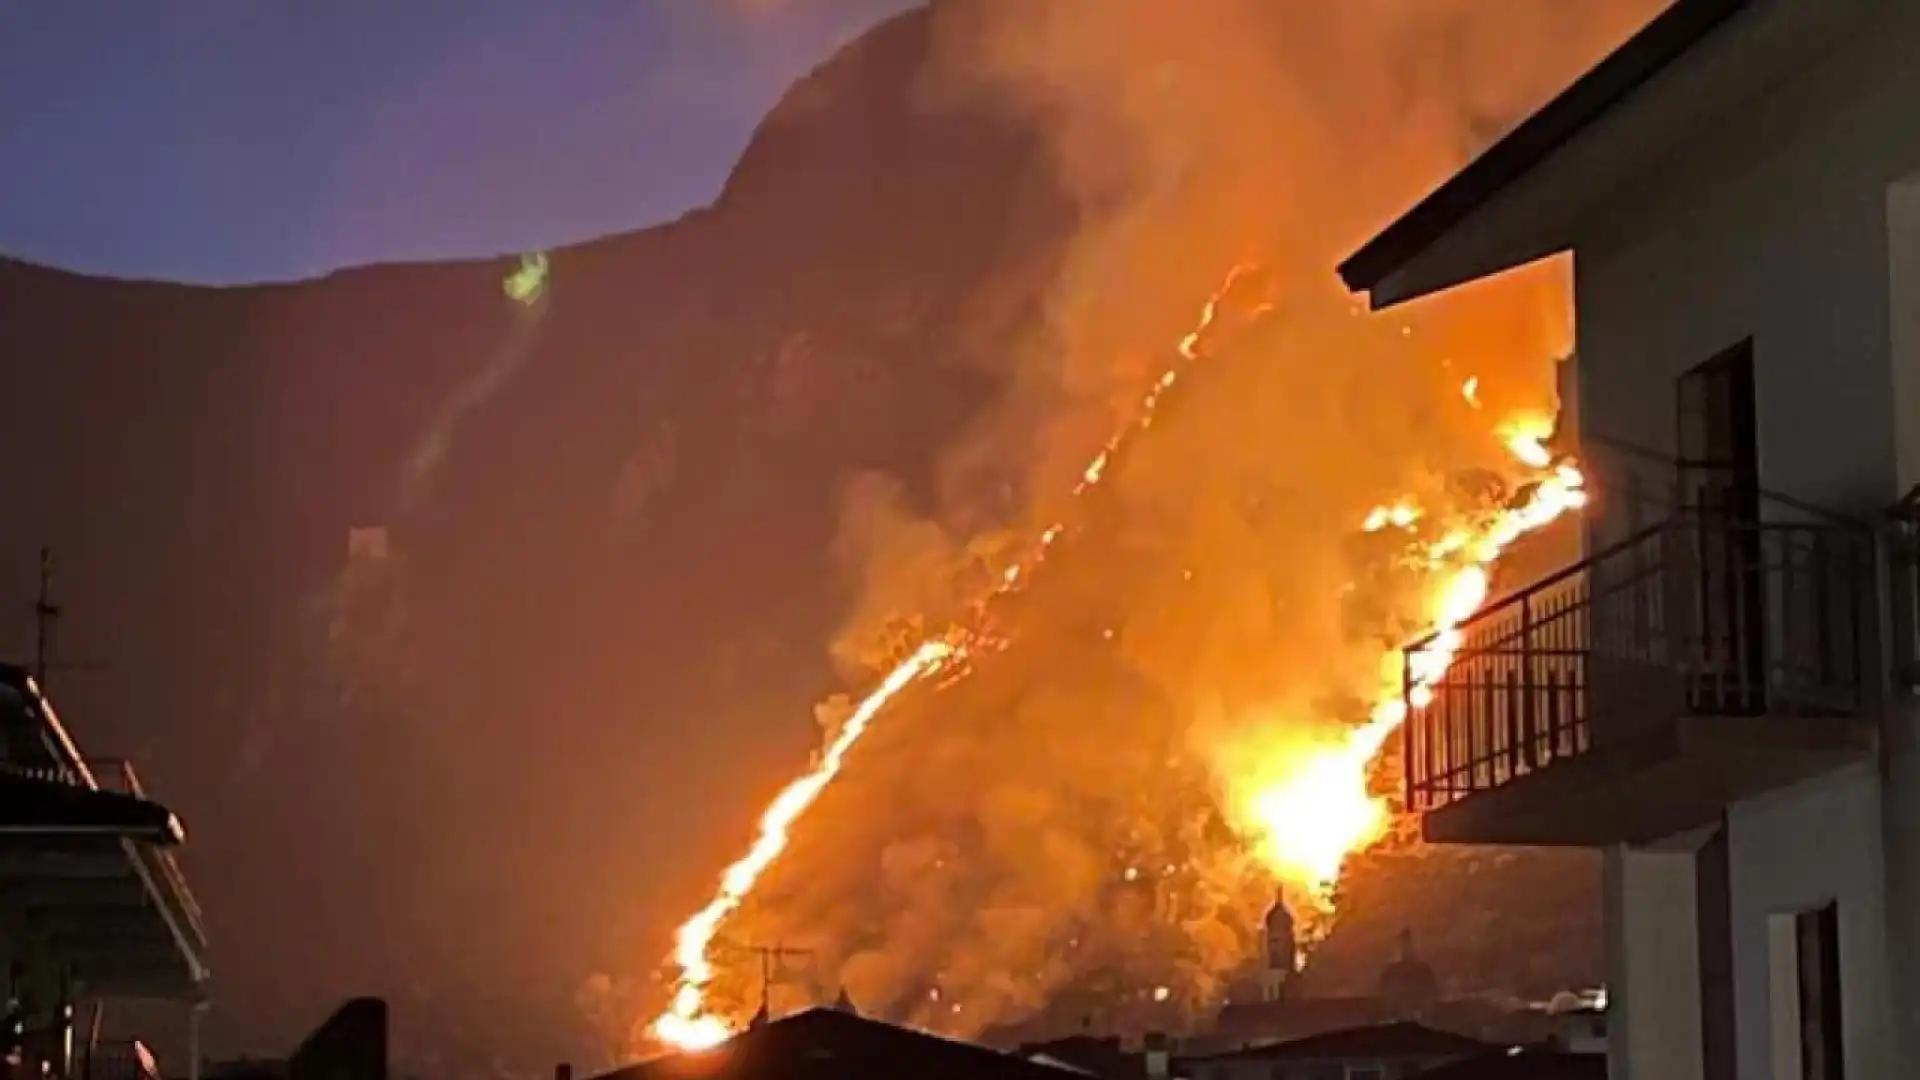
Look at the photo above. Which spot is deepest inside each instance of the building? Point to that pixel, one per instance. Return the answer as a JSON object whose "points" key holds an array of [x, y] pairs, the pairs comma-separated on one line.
{"points": [[352, 1043], [1581, 1031], [1523, 1063], [1718, 694], [1377, 1052], [1105, 1057], [831, 1044], [1280, 1002], [93, 908]]}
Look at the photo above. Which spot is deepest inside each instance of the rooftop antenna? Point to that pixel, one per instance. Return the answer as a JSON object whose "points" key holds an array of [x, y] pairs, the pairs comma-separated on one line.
{"points": [[46, 619], [770, 958], [46, 615]]}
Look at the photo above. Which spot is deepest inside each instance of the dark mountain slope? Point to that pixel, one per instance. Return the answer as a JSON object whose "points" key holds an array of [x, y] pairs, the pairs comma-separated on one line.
{"points": [[619, 569]]}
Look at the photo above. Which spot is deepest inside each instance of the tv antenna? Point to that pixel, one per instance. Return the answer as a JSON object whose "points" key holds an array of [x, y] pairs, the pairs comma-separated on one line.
{"points": [[46, 619], [771, 957]]}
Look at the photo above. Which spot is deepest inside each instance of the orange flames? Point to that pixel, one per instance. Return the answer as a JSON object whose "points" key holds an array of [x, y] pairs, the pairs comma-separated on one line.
{"points": [[1311, 811], [1307, 811], [687, 1023]]}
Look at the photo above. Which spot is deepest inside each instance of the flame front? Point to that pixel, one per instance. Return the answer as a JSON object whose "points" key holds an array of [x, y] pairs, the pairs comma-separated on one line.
{"points": [[688, 1024], [1310, 812], [1307, 813]]}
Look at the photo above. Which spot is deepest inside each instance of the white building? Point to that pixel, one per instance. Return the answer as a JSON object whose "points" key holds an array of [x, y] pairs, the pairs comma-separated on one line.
{"points": [[1719, 695]]}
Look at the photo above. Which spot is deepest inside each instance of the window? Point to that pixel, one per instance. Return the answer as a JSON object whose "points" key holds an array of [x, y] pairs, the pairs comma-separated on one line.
{"points": [[1804, 963], [1817, 945], [1719, 480]]}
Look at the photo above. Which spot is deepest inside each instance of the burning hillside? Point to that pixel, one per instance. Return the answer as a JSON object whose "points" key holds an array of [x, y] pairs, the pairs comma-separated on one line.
{"points": [[834, 407], [1192, 674], [1158, 844]]}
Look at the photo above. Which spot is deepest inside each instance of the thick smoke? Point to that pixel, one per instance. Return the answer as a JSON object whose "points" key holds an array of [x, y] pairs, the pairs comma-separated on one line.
{"points": [[1056, 835]]}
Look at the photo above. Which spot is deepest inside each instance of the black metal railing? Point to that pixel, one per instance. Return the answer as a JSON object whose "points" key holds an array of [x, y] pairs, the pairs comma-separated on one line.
{"points": [[1696, 615]]}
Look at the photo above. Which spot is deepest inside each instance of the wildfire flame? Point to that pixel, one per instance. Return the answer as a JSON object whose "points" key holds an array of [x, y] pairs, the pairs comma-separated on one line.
{"points": [[687, 1023], [1311, 812], [1319, 811]]}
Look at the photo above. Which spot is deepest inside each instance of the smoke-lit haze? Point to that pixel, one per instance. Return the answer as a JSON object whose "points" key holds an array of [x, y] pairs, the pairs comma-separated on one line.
{"points": [[1061, 829]]}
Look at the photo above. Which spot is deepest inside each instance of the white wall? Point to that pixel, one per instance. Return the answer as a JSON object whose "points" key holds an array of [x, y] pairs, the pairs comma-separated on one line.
{"points": [[1796, 850], [1782, 224], [1772, 225], [1900, 794], [1653, 971]]}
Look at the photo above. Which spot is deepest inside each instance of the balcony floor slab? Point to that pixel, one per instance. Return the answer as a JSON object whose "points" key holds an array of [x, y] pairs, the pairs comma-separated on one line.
{"points": [[1666, 780]]}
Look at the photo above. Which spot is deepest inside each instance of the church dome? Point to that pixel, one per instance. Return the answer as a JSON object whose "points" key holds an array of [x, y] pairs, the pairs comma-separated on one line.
{"points": [[1409, 982]]}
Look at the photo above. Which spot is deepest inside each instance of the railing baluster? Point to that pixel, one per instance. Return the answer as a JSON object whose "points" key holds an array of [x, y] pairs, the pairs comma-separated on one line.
{"points": [[1701, 613], [1410, 737], [1528, 657], [1514, 720]]}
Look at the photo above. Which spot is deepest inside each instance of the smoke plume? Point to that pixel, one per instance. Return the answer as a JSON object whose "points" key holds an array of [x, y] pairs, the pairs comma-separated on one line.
{"points": [[1055, 835]]}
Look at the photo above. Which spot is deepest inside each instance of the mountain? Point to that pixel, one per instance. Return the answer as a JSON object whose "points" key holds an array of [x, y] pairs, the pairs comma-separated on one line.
{"points": [[620, 568], [620, 571]]}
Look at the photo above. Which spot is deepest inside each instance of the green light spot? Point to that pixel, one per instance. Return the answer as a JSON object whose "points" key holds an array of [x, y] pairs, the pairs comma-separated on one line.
{"points": [[525, 285]]}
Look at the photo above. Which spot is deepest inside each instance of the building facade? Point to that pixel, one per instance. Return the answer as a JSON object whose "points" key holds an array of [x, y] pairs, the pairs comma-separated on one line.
{"points": [[1394, 1051], [93, 907], [1720, 695]]}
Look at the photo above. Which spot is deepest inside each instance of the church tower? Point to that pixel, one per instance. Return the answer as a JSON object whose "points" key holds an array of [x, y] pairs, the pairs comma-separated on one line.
{"points": [[1409, 984], [1282, 960]]}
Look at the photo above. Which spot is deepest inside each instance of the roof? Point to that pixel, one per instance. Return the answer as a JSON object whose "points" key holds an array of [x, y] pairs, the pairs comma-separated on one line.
{"points": [[827, 1044], [1093, 1055], [1301, 1016], [40, 806], [1671, 35], [1522, 1064], [1402, 1039]]}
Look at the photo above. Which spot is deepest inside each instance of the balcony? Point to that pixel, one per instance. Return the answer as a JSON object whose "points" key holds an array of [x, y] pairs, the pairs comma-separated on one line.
{"points": [[1636, 694], [108, 904]]}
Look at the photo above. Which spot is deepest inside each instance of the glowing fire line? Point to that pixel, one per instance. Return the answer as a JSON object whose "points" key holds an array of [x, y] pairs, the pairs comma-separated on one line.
{"points": [[687, 1023], [1313, 818]]}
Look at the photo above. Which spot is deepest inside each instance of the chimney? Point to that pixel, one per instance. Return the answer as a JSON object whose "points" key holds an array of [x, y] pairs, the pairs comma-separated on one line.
{"points": [[563, 1071], [1158, 1060]]}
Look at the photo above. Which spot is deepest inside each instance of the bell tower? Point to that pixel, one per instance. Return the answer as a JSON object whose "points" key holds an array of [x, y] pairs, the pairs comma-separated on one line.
{"points": [[1282, 960]]}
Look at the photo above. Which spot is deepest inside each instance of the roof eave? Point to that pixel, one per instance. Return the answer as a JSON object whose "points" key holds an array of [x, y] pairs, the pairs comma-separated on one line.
{"points": [[1388, 268]]}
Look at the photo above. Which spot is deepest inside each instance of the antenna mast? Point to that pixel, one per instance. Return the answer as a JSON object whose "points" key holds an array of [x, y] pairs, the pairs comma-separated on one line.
{"points": [[46, 615]]}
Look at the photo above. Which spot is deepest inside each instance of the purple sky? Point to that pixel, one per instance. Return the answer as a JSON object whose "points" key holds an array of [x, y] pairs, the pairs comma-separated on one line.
{"points": [[237, 140]]}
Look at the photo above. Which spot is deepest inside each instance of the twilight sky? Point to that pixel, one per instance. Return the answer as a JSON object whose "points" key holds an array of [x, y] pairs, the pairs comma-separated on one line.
{"points": [[238, 140]]}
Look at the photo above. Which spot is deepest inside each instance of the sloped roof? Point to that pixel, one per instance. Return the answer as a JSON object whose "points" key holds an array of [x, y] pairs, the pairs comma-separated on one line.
{"points": [[1093, 1055], [827, 1044], [1301, 1015], [1402, 1039], [38, 806], [1671, 35], [1518, 1064]]}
